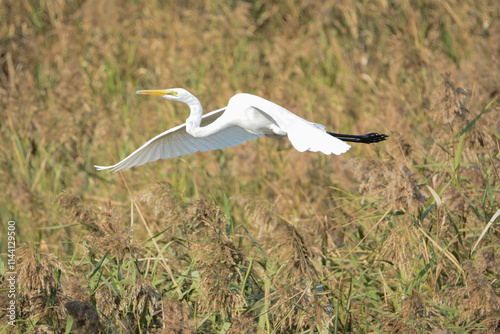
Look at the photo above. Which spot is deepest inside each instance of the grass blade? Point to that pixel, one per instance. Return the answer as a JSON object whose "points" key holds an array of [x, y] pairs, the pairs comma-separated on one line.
{"points": [[471, 123], [492, 220], [458, 154], [98, 266]]}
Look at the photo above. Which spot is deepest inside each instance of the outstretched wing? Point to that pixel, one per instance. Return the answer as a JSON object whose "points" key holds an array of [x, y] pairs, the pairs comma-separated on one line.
{"points": [[304, 135], [176, 142]]}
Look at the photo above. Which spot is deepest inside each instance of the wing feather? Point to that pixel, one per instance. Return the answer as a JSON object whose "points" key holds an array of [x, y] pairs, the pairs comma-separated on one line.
{"points": [[304, 135], [176, 142]]}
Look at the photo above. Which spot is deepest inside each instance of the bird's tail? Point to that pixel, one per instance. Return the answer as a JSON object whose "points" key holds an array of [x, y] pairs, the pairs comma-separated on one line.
{"points": [[313, 139]]}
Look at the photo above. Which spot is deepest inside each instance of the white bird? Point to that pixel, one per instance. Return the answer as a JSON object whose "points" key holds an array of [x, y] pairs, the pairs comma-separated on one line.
{"points": [[246, 117]]}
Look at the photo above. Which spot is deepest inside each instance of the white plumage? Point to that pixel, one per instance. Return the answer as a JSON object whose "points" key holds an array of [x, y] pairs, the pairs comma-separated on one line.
{"points": [[246, 117]]}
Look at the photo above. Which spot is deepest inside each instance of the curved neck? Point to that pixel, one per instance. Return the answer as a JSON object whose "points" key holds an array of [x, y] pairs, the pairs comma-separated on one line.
{"points": [[193, 122], [196, 111]]}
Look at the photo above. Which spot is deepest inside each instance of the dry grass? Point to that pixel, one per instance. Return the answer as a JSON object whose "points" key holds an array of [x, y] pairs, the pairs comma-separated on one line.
{"points": [[258, 238]]}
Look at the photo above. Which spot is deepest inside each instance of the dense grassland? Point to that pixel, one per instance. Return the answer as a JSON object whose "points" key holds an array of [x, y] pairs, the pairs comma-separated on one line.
{"points": [[397, 237]]}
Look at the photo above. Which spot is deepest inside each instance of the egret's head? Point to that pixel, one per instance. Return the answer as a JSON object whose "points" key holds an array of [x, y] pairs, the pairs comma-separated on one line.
{"points": [[175, 94]]}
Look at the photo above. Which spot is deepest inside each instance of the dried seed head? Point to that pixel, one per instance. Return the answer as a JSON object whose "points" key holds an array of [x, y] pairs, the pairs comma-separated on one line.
{"points": [[168, 208], [142, 292], [301, 308], [476, 299], [244, 324], [218, 262], [391, 179], [111, 235], [451, 114], [402, 248], [76, 210], [39, 275], [293, 251], [175, 318], [450, 104]]}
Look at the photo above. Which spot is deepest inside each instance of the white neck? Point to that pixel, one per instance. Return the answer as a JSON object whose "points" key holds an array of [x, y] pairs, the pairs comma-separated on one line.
{"points": [[193, 122]]}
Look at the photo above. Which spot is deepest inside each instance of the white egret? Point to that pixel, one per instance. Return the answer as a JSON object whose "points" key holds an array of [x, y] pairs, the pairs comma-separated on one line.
{"points": [[246, 117]]}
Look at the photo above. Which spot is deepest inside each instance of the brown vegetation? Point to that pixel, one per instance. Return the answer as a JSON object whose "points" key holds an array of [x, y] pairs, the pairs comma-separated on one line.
{"points": [[391, 237]]}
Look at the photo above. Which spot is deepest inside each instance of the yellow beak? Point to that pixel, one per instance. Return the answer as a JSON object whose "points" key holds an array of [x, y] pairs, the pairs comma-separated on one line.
{"points": [[157, 92]]}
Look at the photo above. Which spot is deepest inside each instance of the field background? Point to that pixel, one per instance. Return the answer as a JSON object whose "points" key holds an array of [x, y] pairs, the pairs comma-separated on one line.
{"points": [[391, 237]]}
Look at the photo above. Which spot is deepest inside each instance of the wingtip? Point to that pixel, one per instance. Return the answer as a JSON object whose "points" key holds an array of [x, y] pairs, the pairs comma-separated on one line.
{"points": [[101, 168]]}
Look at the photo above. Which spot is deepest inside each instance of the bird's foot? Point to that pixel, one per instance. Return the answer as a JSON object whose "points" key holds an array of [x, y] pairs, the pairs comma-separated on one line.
{"points": [[369, 138], [373, 137]]}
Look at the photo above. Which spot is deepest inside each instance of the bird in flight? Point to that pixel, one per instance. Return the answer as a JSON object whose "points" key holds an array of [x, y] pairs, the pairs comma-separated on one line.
{"points": [[246, 117]]}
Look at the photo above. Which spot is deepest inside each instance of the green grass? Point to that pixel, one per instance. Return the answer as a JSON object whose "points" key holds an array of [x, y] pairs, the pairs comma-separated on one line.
{"points": [[401, 236]]}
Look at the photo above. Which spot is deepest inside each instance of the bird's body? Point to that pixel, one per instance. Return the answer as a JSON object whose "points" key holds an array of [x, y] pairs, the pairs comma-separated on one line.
{"points": [[246, 117]]}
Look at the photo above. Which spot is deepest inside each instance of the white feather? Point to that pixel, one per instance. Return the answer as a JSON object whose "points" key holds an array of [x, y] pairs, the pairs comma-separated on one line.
{"points": [[176, 142], [245, 118]]}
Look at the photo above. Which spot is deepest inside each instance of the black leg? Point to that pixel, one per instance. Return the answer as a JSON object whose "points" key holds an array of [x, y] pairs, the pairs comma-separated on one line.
{"points": [[368, 138]]}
